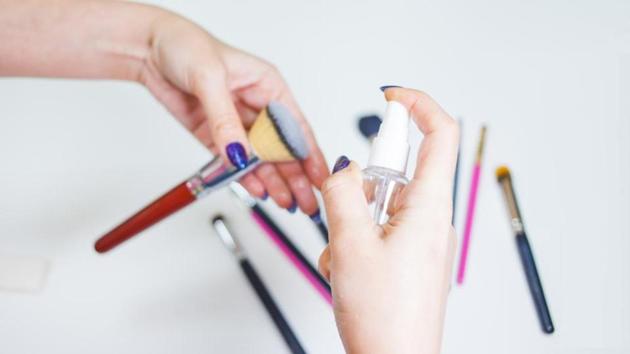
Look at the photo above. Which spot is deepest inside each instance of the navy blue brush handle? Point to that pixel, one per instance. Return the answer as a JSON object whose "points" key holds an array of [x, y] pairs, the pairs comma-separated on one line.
{"points": [[323, 230], [533, 280], [272, 308]]}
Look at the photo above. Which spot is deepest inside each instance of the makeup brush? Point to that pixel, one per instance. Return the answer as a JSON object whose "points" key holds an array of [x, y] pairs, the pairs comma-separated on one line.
{"points": [[524, 250], [321, 226], [231, 243], [275, 136], [472, 202], [282, 241], [369, 126]]}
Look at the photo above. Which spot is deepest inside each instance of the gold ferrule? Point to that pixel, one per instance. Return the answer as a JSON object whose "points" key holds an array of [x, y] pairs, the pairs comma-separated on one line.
{"points": [[510, 198], [482, 142]]}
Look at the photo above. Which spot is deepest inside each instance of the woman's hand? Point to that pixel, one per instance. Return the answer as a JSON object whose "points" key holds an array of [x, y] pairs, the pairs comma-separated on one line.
{"points": [[390, 283], [217, 91]]}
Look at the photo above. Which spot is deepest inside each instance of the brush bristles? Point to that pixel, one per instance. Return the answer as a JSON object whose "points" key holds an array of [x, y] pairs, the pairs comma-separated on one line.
{"points": [[502, 172], [267, 141]]}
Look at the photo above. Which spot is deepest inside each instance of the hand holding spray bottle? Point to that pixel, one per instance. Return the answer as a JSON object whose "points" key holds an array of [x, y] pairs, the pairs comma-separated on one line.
{"points": [[384, 177]]}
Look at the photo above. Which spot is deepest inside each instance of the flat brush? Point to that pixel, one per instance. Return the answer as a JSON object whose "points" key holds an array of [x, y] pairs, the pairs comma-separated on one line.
{"points": [[275, 136], [273, 231], [231, 243], [524, 250]]}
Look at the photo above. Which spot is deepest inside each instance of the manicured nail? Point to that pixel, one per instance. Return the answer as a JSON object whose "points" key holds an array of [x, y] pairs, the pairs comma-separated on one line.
{"points": [[265, 196], [383, 88], [342, 162], [316, 217], [293, 207], [237, 155]]}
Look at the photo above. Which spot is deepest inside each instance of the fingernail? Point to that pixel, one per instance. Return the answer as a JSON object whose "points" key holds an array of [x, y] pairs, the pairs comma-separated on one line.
{"points": [[342, 162], [293, 207], [265, 196], [237, 155], [316, 217], [383, 88]]}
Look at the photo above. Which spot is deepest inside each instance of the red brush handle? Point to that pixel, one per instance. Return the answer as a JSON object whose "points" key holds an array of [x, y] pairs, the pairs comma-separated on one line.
{"points": [[166, 205]]}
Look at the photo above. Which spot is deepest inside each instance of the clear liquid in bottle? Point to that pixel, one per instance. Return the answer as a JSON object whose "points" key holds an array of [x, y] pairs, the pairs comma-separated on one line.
{"points": [[382, 187]]}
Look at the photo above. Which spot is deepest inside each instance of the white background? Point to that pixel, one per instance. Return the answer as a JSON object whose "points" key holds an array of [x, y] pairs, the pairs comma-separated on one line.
{"points": [[551, 79]]}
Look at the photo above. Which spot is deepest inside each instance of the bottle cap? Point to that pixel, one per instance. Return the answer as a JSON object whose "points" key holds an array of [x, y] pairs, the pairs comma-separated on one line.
{"points": [[390, 148]]}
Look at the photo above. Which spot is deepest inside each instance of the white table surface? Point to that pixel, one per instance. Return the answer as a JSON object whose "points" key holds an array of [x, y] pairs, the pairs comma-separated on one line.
{"points": [[551, 80]]}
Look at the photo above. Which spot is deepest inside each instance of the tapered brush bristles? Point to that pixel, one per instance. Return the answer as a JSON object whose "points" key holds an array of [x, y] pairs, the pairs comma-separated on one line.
{"points": [[502, 172], [276, 136]]}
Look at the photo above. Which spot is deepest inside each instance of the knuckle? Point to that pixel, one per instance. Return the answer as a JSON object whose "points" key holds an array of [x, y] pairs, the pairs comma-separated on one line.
{"points": [[201, 77], [333, 183], [451, 127], [225, 124], [422, 95], [265, 171], [272, 68], [298, 182]]}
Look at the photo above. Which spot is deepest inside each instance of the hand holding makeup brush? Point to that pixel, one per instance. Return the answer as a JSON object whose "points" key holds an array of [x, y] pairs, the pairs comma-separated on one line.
{"points": [[217, 91], [214, 90], [390, 283]]}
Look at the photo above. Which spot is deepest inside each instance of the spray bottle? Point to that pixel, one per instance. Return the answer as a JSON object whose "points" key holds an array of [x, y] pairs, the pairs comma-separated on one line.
{"points": [[384, 177]]}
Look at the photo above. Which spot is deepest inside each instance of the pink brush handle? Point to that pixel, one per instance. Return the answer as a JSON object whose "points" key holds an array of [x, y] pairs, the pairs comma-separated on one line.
{"points": [[293, 258], [470, 214]]}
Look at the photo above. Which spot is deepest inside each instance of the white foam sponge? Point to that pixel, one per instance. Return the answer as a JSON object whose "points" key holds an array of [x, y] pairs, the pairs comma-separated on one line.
{"points": [[23, 273]]}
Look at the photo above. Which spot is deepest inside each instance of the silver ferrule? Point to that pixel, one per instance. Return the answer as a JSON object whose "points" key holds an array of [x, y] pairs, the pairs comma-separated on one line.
{"points": [[229, 241], [517, 225], [242, 194], [216, 174]]}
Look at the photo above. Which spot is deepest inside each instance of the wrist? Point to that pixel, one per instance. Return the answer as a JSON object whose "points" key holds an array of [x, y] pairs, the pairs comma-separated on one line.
{"points": [[131, 49]]}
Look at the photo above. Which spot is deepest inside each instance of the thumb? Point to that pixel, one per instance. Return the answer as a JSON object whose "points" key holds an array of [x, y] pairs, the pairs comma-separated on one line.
{"points": [[346, 205], [226, 127]]}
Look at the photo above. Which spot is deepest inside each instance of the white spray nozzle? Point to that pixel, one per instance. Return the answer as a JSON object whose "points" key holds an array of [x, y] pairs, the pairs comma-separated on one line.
{"points": [[390, 148]]}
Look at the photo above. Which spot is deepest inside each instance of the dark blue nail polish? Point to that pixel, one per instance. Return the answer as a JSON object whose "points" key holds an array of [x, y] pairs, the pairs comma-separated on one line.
{"points": [[265, 196], [237, 155], [342, 162], [293, 207], [316, 217], [383, 88]]}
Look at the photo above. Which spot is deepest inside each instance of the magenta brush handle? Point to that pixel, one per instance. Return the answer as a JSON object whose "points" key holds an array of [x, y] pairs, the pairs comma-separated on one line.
{"points": [[289, 250], [470, 214]]}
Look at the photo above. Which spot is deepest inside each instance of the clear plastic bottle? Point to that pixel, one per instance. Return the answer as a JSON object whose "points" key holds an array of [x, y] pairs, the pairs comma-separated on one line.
{"points": [[384, 177]]}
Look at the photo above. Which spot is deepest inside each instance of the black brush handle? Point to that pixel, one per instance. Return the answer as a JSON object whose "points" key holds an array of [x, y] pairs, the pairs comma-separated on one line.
{"points": [[272, 308], [323, 230], [533, 280]]}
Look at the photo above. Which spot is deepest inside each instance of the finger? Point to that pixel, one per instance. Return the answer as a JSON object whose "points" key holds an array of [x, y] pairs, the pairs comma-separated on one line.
{"points": [[346, 208], [225, 124], [438, 152], [324, 264], [300, 186], [247, 114], [253, 185], [315, 164], [275, 185]]}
